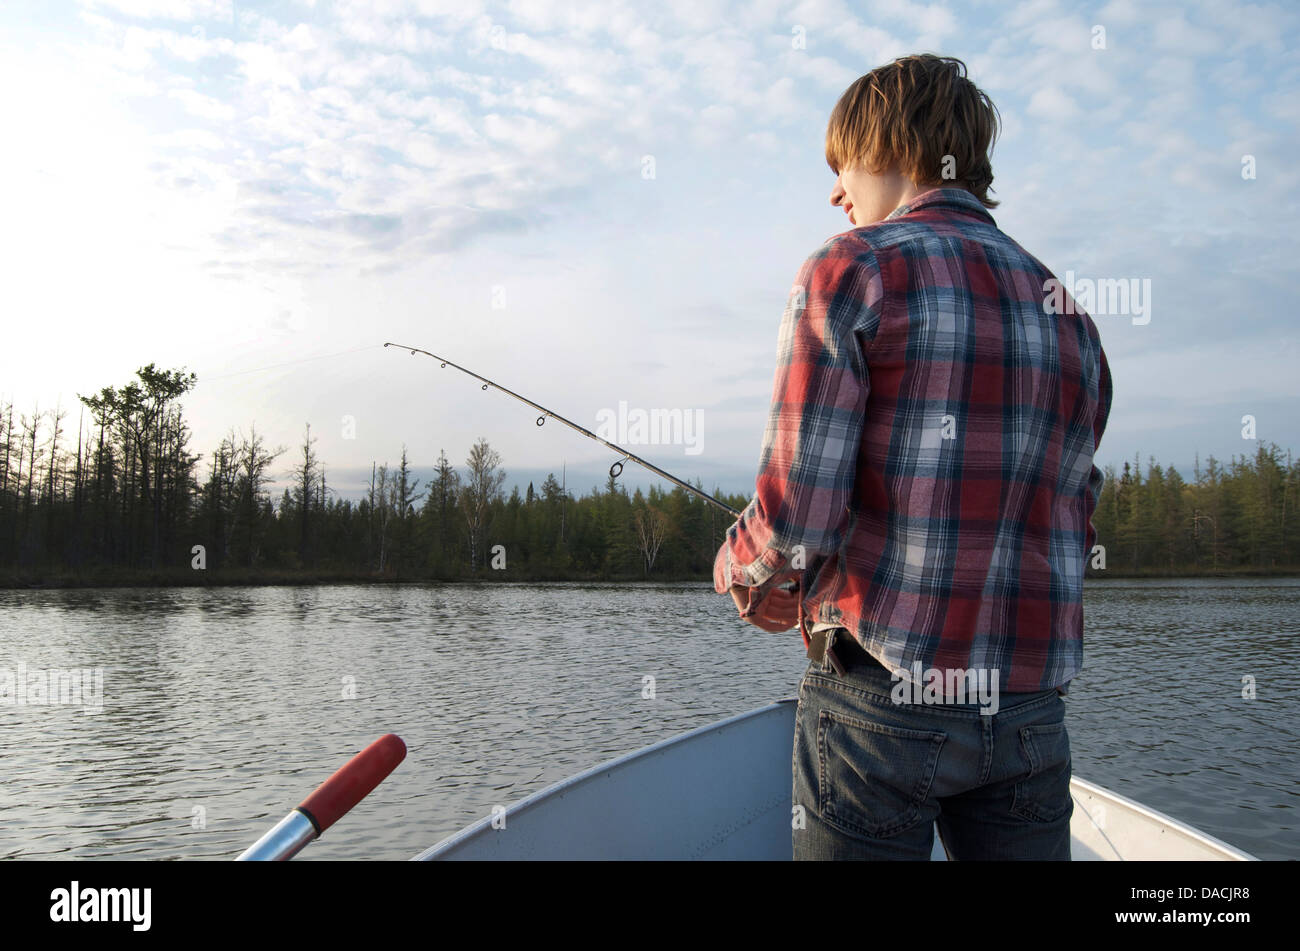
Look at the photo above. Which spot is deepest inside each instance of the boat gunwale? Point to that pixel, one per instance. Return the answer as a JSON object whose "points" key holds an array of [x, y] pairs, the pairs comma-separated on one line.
{"points": [[1166, 821], [531, 800]]}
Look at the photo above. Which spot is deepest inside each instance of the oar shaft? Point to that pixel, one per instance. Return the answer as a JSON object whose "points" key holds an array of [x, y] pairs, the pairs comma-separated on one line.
{"points": [[283, 841]]}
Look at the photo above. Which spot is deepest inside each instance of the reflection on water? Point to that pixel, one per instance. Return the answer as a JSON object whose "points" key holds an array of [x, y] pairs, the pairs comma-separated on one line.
{"points": [[224, 707]]}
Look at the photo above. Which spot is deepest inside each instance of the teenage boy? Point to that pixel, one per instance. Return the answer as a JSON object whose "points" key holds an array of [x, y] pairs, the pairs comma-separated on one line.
{"points": [[927, 481]]}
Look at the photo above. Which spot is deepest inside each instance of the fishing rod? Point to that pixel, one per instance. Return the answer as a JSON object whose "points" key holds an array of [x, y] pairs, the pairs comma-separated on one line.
{"points": [[616, 469]]}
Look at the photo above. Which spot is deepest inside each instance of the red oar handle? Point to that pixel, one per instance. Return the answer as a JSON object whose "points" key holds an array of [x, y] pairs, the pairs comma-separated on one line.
{"points": [[355, 780]]}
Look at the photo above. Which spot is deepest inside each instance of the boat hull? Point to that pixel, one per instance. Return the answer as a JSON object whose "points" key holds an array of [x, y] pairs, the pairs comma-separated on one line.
{"points": [[724, 792]]}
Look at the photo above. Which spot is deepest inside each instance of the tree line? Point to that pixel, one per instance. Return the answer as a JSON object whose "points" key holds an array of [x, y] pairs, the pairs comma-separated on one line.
{"points": [[1241, 516], [125, 498]]}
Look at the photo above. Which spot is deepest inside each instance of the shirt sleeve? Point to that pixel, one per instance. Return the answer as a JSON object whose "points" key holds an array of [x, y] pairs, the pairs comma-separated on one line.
{"points": [[1096, 479], [808, 461]]}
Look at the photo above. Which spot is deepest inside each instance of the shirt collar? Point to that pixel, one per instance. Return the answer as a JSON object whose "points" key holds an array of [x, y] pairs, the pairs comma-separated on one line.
{"points": [[957, 199]]}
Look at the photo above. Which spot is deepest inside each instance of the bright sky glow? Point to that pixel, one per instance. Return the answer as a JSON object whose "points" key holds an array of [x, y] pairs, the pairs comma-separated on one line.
{"points": [[236, 186]]}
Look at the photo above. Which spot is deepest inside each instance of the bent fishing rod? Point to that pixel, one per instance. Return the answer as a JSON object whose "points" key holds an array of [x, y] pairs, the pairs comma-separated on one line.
{"points": [[616, 469]]}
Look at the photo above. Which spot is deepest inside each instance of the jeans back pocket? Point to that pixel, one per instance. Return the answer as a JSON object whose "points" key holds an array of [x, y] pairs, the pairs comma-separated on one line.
{"points": [[873, 778], [1043, 795]]}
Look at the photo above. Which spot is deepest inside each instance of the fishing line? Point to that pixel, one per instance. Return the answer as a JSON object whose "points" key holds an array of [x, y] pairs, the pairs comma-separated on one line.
{"points": [[288, 363], [616, 469]]}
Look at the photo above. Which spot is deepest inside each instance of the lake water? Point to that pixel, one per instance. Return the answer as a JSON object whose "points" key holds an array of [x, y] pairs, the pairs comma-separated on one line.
{"points": [[224, 707]]}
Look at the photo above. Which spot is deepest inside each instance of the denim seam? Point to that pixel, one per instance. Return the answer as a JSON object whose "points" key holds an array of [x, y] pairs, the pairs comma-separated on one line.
{"points": [[986, 735], [835, 683]]}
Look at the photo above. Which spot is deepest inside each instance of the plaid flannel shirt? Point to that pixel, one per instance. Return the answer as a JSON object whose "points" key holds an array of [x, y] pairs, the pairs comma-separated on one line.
{"points": [[927, 468]]}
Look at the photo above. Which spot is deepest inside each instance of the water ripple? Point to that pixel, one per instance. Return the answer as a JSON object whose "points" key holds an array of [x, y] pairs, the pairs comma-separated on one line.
{"points": [[223, 708]]}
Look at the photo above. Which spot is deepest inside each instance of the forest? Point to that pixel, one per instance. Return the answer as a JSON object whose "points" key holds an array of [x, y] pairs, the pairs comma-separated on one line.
{"points": [[124, 500]]}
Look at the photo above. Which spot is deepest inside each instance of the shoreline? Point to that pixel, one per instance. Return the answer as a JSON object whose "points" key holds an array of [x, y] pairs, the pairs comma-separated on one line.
{"points": [[185, 578]]}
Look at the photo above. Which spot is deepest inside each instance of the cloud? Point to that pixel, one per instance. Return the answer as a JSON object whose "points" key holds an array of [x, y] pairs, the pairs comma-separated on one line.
{"points": [[202, 106], [1051, 104], [1175, 33], [390, 108], [285, 145], [188, 10]]}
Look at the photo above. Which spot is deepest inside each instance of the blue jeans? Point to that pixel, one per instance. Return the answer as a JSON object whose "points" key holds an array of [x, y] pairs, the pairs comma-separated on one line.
{"points": [[873, 776]]}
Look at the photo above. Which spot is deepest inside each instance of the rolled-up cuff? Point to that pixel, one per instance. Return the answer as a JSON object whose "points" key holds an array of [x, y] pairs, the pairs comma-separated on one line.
{"points": [[727, 574]]}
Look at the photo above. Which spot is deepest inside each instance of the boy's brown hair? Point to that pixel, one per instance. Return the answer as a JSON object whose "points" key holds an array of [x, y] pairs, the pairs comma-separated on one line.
{"points": [[913, 113]]}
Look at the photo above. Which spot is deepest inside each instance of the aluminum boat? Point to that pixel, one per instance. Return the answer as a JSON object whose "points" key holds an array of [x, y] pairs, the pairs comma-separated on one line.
{"points": [[723, 791]]}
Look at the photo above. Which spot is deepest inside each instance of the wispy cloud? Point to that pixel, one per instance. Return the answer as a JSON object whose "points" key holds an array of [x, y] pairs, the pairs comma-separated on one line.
{"points": [[636, 177]]}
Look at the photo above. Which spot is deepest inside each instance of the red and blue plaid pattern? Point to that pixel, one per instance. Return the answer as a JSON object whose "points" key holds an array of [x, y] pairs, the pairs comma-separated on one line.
{"points": [[927, 467]]}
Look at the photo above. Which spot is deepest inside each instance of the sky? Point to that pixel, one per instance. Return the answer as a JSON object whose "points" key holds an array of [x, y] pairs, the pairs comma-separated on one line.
{"points": [[603, 207]]}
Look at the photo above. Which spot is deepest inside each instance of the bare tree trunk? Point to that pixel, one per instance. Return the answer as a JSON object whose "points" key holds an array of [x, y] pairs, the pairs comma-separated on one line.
{"points": [[651, 528]]}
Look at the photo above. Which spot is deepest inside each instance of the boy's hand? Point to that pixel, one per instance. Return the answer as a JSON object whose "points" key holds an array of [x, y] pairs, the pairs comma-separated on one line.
{"points": [[778, 611]]}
